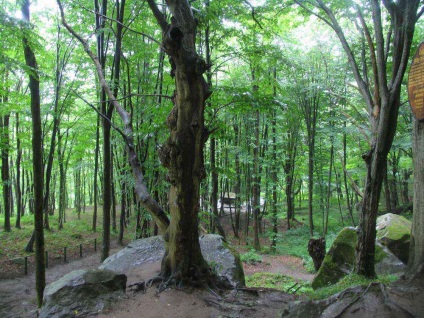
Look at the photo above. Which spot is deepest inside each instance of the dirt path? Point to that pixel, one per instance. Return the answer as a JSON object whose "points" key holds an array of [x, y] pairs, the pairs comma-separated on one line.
{"points": [[195, 304], [280, 264]]}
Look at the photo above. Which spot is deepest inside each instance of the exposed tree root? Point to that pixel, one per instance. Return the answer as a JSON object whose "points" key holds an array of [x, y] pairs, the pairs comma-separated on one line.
{"points": [[205, 279], [387, 301], [143, 286]]}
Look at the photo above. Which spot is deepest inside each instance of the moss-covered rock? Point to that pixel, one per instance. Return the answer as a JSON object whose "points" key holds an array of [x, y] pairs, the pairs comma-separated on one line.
{"points": [[394, 232], [340, 260]]}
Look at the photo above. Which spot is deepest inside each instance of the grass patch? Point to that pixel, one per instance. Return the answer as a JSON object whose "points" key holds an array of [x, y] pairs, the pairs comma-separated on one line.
{"points": [[75, 231], [277, 281], [251, 257]]}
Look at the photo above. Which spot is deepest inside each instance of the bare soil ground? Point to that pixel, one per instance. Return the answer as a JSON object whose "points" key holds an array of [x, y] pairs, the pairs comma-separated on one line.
{"points": [[17, 296]]}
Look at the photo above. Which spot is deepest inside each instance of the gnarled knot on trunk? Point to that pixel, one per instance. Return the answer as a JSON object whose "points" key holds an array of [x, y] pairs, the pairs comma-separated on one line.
{"points": [[175, 34], [200, 66], [194, 125], [164, 154]]}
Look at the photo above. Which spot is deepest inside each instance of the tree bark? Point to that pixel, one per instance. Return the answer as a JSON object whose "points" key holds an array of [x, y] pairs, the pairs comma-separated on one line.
{"points": [[416, 252], [37, 159], [5, 173], [182, 153], [20, 210]]}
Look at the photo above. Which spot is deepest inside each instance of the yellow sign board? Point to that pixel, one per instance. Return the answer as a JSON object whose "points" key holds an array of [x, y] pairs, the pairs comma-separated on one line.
{"points": [[416, 83]]}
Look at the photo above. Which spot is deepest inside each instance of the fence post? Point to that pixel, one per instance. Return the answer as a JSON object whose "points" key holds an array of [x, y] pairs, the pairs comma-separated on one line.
{"points": [[47, 259], [64, 254], [81, 250], [95, 244], [26, 265]]}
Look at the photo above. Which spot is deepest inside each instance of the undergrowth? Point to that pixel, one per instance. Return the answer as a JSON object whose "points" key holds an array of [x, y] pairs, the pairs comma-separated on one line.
{"points": [[277, 281], [75, 231]]}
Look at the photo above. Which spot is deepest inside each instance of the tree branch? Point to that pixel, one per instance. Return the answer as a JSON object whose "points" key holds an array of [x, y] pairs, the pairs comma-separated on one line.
{"points": [[377, 99], [253, 13], [100, 114], [158, 15], [300, 3], [145, 198], [123, 25]]}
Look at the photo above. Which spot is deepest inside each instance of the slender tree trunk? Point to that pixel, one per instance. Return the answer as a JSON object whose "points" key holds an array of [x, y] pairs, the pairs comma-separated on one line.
{"points": [[237, 186], [405, 185], [37, 160], [62, 183], [214, 195], [348, 200], [256, 186], [19, 202], [274, 178], [107, 192], [5, 173], [330, 170], [95, 176]]}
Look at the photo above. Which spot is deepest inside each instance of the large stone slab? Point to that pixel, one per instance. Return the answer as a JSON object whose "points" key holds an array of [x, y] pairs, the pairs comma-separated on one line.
{"points": [[82, 293], [394, 232], [340, 260], [215, 250]]}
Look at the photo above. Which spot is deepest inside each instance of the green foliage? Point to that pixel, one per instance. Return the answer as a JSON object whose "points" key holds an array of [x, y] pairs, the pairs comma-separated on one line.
{"points": [[251, 257], [76, 231]]}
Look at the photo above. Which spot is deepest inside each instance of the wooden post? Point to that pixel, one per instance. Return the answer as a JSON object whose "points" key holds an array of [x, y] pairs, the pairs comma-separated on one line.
{"points": [[64, 254]]}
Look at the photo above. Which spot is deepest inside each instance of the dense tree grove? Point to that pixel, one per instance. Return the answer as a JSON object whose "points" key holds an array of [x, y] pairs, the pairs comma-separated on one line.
{"points": [[159, 112]]}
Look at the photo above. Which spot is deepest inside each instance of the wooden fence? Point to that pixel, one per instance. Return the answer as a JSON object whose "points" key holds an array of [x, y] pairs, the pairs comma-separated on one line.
{"points": [[25, 265]]}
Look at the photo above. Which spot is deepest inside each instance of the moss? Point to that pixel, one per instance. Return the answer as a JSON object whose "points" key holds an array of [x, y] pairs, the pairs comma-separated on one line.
{"points": [[340, 259], [398, 229], [379, 254], [347, 236], [277, 281]]}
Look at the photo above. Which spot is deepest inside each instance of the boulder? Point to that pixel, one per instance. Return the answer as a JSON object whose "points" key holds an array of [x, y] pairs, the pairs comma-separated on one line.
{"points": [[394, 232], [340, 260], [219, 255], [374, 300], [82, 293]]}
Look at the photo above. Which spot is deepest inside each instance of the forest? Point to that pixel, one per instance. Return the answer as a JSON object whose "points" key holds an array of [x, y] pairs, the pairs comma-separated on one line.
{"points": [[261, 121]]}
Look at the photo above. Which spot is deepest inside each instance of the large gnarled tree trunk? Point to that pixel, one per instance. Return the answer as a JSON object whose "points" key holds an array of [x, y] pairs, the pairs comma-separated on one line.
{"points": [[182, 153]]}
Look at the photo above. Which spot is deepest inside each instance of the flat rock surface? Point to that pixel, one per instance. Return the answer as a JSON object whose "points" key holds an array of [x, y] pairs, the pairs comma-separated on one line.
{"points": [[215, 250]]}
